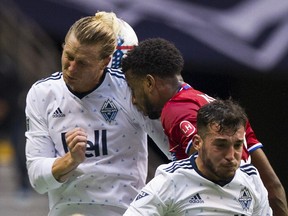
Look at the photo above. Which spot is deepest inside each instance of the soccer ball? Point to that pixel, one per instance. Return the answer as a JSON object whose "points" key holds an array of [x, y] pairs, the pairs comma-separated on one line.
{"points": [[126, 40]]}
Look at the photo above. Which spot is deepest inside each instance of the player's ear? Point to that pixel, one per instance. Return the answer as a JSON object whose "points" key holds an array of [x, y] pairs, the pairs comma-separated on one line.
{"points": [[104, 62], [197, 141], [150, 81]]}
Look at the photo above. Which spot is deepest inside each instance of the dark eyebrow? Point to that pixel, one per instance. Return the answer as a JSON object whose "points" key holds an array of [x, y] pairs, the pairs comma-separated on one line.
{"points": [[225, 140]]}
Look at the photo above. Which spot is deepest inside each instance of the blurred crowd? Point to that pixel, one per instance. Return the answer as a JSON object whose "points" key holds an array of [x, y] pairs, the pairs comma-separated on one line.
{"points": [[26, 55]]}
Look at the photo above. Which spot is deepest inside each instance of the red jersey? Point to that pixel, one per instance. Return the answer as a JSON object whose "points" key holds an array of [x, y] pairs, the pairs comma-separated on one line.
{"points": [[179, 116]]}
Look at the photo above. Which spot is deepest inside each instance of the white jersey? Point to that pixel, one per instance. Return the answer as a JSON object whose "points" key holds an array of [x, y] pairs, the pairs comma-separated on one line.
{"points": [[179, 189], [115, 168]]}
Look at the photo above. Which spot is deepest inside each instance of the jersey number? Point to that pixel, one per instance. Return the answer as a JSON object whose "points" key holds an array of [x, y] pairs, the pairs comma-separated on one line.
{"points": [[93, 149], [207, 97]]}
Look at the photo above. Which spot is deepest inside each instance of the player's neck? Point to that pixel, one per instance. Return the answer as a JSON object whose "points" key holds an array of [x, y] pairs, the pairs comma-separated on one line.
{"points": [[167, 87], [173, 86], [204, 171]]}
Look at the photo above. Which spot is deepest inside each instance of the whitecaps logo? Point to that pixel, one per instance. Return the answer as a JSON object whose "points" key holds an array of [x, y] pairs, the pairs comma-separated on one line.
{"points": [[245, 199]]}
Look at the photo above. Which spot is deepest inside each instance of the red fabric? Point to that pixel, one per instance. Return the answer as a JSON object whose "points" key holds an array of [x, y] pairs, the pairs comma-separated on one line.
{"points": [[184, 106]]}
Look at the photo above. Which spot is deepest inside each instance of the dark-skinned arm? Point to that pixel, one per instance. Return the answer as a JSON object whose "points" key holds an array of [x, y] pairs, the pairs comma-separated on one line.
{"points": [[276, 192]]}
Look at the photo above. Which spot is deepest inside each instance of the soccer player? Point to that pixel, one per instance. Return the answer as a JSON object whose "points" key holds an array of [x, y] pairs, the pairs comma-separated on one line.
{"points": [[86, 142], [152, 71], [209, 182]]}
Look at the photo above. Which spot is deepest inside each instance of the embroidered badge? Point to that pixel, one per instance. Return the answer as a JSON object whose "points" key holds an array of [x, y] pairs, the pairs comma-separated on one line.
{"points": [[141, 195], [187, 128], [109, 110], [245, 199]]}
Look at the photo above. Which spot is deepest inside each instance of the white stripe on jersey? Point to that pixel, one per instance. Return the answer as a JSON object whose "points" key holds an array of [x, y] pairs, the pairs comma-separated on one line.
{"points": [[181, 164], [249, 169], [54, 76]]}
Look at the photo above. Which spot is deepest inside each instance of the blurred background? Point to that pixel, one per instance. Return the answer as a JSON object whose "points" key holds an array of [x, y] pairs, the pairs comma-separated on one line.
{"points": [[231, 48]]}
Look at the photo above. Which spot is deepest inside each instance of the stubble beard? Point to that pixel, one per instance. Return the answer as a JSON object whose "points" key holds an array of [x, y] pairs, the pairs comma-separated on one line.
{"points": [[219, 174]]}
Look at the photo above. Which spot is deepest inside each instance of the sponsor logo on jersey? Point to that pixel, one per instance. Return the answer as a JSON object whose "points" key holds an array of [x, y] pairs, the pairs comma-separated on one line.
{"points": [[109, 110], [141, 195], [196, 199], [58, 113], [187, 128], [245, 199]]}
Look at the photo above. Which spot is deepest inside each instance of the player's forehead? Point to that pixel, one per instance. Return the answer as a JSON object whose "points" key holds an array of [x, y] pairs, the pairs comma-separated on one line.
{"points": [[74, 47], [226, 134]]}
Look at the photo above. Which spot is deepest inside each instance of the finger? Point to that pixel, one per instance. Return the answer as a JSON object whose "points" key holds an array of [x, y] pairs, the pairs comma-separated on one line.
{"points": [[75, 132], [75, 135], [77, 139]]}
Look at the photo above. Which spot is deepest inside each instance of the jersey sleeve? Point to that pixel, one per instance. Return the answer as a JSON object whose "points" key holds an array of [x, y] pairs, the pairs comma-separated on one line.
{"points": [[153, 128], [154, 199], [40, 153], [155, 131], [179, 123], [179, 117], [251, 139]]}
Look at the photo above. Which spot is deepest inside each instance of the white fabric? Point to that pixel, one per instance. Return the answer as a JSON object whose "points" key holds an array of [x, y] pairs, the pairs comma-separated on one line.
{"points": [[178, 189], [126, 40], [109, 179]]}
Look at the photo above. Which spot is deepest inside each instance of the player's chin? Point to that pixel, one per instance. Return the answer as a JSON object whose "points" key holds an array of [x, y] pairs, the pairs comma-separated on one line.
{"points": [[154, 115], [229, 173], [69, 80]]}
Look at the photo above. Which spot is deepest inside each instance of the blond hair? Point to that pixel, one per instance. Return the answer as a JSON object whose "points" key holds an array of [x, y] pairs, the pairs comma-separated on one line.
{"points": [[101, 28]]}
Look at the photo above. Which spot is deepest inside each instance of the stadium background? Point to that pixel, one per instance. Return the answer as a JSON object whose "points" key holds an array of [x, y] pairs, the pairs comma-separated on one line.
{"points": [[233, 48]]}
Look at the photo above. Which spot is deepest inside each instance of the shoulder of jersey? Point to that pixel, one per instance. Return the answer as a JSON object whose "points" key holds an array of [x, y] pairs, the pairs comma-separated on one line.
{"points": [[116, 73], [249, 169], [53, 77], [177, 165]]}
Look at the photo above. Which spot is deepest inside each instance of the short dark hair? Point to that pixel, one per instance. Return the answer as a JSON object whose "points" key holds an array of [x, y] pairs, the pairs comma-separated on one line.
{"points": [[227, 114], [154, 56]]}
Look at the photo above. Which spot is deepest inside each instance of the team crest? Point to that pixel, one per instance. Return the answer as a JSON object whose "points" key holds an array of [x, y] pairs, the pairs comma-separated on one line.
{"points": [[245, 199], [109, 110], [141, 195]]}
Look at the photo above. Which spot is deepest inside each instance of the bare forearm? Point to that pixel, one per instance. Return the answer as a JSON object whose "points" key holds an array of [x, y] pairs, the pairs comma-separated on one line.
{"points": [[76, 140], [276, 192], [63, 167], [277, 199]]}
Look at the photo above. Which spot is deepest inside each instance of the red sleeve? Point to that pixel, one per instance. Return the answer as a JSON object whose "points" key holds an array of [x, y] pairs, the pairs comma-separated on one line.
{"points": [[251, 142], [171, 121], [179, 116]]}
